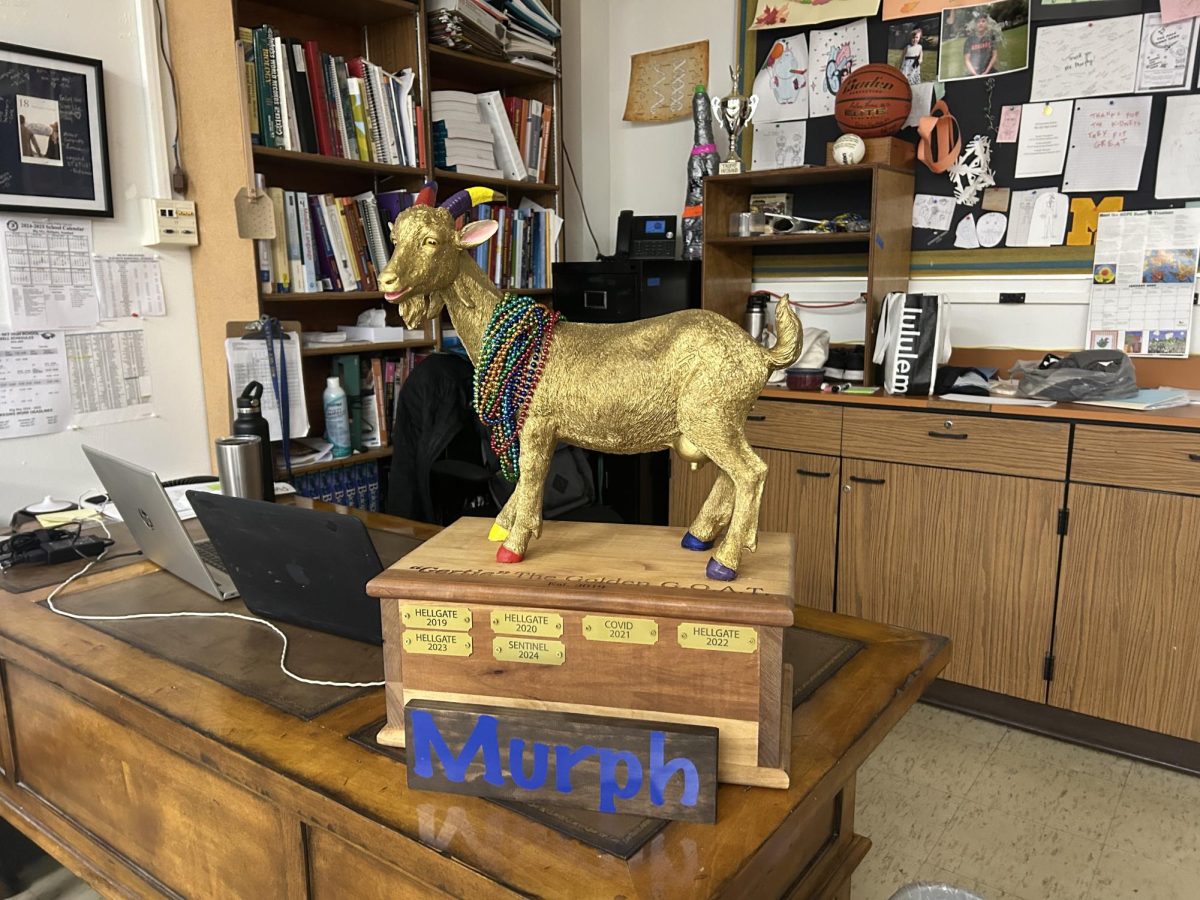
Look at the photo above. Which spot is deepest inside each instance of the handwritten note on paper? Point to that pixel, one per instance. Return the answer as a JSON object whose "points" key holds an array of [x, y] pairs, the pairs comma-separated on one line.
{"points": [[1042, 148], [1108, 142], [1168, 54], [932, 211], [1175, 10], [1010, 123], [1178, 162], [1086, 59]]}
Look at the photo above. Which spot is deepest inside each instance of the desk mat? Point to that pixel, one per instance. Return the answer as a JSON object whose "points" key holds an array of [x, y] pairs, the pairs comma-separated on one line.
{"points": [[237, 654], [22, 578], [815, 657]]}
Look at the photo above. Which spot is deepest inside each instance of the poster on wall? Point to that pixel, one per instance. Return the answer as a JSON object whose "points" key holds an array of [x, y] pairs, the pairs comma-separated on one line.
{"points": [[53, 144], [785, 13], [833, 54], [984, 40], [781, 85]]}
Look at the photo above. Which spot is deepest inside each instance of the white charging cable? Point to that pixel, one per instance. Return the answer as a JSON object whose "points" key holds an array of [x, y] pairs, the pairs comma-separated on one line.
{"points": [[193, 615]]}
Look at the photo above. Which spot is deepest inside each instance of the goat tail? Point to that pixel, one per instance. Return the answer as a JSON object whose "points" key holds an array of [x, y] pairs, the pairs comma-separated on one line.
{"points": [[789, 336]]}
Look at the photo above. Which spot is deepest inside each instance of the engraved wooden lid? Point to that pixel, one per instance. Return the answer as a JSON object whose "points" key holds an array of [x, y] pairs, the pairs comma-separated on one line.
{"points": [[630, 569]]}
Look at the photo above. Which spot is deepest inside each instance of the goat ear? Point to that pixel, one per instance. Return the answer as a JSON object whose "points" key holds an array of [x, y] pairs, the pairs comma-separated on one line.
{"points": [[475, 233]]}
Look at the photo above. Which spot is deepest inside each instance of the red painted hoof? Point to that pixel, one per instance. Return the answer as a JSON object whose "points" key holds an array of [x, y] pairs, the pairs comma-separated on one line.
{"points": [[504, 555]]}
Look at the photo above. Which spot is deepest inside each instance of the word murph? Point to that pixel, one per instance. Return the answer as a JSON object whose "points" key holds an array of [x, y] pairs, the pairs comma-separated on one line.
{"points": [[622, 773]]}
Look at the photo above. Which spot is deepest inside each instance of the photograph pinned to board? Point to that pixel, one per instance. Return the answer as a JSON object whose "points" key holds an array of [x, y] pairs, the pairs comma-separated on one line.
{"points": [[785, 13], [661, 82], [781, 85], [913, 48], [933, 211], [833, 53], [779, 145], [1108, 145], [1042, 144], [1086, 59], [54, 150], [1178, 176], [1168, 54], [984, 40]]}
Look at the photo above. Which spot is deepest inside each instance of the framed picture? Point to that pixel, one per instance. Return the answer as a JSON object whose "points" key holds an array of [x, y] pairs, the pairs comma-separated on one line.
{"points": [[53, 140]]}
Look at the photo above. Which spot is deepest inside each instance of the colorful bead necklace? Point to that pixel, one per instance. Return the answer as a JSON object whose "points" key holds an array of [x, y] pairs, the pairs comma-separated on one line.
{"points": [[516, 344]]}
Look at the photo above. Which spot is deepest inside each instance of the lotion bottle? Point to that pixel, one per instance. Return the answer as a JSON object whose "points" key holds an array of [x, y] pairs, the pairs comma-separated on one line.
{"points": [[337, 417]]}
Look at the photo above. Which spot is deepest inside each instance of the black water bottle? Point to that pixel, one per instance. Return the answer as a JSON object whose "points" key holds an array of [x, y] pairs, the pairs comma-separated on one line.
{"points": [[250, 421]]}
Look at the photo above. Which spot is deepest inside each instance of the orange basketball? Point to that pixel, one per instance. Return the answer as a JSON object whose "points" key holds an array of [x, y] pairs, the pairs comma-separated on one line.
{"points": [[873, 101]]}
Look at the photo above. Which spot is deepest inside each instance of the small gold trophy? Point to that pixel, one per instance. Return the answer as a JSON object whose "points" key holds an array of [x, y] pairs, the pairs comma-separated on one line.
{"points": [[734, 111]]}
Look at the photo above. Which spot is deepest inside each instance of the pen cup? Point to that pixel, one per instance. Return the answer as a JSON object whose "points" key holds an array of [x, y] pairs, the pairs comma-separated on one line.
{"points": [[239, 466]]}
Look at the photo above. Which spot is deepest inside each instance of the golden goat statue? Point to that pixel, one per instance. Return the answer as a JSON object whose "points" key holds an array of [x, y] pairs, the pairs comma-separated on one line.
{"points": [[685, 380]]}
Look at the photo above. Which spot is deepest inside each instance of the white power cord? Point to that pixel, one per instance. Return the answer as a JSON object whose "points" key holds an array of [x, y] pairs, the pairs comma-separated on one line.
{"points": [[193, 615]]}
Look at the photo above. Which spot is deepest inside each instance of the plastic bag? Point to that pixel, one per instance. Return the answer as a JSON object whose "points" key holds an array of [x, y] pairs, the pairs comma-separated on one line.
{"points": [[1086, 375], [924, 890]]}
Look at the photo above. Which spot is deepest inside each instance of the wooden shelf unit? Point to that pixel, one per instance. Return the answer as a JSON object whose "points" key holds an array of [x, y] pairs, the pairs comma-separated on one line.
{"points": [[351, 460], [391, 33], [881, 193]]}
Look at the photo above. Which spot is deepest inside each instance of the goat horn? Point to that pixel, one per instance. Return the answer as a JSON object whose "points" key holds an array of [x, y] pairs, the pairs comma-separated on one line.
{"points": [[427, 195], [460, 202]]}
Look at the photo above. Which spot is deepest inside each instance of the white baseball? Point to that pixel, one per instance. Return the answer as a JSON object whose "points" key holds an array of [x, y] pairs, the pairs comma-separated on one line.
{"points": [[848, 150]]}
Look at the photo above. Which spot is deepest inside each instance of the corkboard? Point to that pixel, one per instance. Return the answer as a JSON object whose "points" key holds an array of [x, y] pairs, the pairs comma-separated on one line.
{"points": [[661, 82]]}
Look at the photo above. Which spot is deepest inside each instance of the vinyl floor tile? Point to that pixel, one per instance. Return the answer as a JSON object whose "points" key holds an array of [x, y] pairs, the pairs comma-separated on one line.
{"points": [[904, 817], [1120, 875], [931, 757], [1156, 827]]}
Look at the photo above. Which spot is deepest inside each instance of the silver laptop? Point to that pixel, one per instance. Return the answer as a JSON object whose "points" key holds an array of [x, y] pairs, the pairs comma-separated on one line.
{"points": [[155, 526]]}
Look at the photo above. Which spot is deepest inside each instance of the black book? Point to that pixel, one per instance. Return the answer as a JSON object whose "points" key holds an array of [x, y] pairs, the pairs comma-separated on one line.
{"points": [[306, 122]]}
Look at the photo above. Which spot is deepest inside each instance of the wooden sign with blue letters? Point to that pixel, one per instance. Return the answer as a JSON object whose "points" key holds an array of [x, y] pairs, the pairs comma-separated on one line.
{"points": [[600, 763]]}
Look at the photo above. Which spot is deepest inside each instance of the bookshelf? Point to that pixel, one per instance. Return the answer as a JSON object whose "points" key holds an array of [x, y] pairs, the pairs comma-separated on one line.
{"points": [[213, 132]]}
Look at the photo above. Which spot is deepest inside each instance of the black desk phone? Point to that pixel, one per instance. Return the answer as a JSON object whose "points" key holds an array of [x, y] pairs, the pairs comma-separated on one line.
{"points": [[645, 237]]}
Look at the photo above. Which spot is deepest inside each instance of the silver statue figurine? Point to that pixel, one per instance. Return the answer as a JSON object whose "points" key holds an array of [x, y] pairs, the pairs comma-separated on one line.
{"points": [[734, 111]]}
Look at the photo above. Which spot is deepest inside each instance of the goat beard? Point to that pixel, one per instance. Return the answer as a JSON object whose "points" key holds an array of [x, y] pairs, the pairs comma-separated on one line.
{"points": [[416, 311]]}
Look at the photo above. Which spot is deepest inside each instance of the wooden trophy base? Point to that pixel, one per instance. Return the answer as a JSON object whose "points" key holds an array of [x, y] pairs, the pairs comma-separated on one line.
{"points": [[600, 620]]}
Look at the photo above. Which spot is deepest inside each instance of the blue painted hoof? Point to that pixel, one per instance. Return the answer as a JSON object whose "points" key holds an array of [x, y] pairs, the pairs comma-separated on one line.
{"points": [[718, 572], [691, 542]]}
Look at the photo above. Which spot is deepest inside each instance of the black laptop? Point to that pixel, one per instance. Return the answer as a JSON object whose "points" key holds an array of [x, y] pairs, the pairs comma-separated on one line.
{"points": [[297, 565]]}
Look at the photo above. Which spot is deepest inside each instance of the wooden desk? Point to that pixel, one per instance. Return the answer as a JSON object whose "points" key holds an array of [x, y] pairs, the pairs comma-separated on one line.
{"points": [[149, 779]]}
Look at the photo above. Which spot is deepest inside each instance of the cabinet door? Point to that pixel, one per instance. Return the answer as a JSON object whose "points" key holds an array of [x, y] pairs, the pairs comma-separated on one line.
{"points": [[801, 498], [962, 554], [1128, 635]]}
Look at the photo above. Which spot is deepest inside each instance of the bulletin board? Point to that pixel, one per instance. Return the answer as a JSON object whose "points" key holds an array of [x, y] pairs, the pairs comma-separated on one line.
{"points": [[976, 104]]}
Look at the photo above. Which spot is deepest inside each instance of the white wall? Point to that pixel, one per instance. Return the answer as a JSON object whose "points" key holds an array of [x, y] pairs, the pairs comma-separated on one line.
{"points": [[622, 165], [175, 440], [628, 165]]}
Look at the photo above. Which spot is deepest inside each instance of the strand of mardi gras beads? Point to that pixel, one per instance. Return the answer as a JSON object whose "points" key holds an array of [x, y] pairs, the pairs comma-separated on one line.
{"points": [[516, 344]]}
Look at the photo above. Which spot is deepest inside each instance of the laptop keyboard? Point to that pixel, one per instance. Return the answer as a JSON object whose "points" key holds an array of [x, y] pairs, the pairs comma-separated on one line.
{"points": [[209, 554]]}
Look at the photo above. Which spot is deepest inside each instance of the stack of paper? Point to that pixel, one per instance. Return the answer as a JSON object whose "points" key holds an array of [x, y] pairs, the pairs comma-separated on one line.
{"points": [[1147, 400]]}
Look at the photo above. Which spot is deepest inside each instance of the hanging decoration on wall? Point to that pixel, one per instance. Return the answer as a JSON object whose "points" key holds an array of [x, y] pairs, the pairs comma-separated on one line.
{"points": [[792, 13], [54, 146], [661, 82], [940, 139], [973, 171]]}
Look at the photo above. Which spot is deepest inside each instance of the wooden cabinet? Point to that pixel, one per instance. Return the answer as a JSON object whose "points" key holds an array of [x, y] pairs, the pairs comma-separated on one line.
{"points": [[964, 554], [800, 497], [1127, 643]]}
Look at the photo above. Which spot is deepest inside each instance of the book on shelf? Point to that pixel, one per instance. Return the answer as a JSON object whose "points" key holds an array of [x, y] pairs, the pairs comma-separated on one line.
{"points": [[328, 243], [514, 131], [307, 100], [525, 247], [521, 32]]}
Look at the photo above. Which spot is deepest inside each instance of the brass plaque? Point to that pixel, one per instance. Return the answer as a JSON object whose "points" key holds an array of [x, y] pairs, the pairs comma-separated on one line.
{"points": [[620, 629], [437, 643], [436, 615], [711, 636], [529, 650], [531, 622]]}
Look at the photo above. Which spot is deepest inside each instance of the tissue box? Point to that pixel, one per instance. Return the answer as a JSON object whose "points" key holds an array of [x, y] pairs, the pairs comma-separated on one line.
{"points": [[380, 333]]}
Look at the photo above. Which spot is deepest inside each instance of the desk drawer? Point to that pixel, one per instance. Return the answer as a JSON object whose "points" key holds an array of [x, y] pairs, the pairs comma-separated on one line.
{"points": [[975, 443], [807, 427], [1138, 458]]}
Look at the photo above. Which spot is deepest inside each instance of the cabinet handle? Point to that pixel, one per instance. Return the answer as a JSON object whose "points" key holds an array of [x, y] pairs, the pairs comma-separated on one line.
{"points": [[756, 418], [857, 479], [811, 474], [952, 437], [1194, 457]]}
